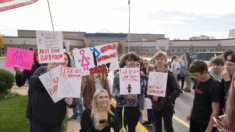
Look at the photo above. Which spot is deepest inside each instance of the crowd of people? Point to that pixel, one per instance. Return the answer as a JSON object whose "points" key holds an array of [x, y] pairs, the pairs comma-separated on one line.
{"points": [[214, 88]]}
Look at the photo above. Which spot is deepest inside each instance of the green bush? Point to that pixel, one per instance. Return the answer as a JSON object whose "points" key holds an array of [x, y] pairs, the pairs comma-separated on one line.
{"points": [[6, 81]]}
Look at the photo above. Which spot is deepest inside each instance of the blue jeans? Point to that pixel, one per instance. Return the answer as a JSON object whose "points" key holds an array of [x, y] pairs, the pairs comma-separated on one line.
{"points": [[79, 107], [39, 127]]}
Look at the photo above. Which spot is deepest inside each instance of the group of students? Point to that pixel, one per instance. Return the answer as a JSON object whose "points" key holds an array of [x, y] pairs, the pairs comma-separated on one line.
{"points": [[101, 115], [180, 69]]}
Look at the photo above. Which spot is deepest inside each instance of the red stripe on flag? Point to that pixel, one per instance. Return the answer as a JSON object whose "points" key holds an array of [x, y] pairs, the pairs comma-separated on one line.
{"points": [[4, 1], [129, 2]]}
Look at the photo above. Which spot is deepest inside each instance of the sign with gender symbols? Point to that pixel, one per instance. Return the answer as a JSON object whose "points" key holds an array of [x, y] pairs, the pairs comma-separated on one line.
{"points": [[96, 59]]}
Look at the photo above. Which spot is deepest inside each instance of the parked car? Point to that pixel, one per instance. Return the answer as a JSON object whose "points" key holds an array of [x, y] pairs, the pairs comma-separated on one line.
{"points": [[205, 56]]}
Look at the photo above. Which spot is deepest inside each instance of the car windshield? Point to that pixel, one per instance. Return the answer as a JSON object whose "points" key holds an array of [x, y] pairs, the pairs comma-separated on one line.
{"points": [[207, 56]]}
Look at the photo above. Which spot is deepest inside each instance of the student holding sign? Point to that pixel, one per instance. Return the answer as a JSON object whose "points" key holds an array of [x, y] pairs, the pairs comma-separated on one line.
{"points": [[101, 115], [22, 76], [163, 107], [133, 103], [43, 113]]}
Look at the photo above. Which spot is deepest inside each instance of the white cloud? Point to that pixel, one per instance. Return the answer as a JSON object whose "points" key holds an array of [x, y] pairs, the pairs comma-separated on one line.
{"points": [[212, 16], [199, 6]]}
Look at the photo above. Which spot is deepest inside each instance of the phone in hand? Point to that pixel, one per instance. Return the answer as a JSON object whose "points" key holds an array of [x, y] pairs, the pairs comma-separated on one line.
{"points": [[103, 121], [218, 122]]}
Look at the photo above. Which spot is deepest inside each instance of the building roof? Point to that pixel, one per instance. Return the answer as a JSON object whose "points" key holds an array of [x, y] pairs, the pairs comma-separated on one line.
{"points": [[114, 35]]}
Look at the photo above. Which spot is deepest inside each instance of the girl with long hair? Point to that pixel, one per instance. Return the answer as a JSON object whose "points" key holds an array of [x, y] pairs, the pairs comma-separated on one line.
{"points": [[175, 65], [101, 115], [230, 110], [91, 83], [183, 65]]}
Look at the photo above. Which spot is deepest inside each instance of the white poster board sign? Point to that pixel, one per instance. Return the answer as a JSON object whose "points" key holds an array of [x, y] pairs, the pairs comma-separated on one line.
{"points": [[69, 84], [157, 84], [50, 82], [96, 59], [50, 46], [129, 80]]}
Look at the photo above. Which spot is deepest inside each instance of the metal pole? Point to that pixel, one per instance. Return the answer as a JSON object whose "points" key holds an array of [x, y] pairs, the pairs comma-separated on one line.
{"points": [[129, 27], [50, 14]]}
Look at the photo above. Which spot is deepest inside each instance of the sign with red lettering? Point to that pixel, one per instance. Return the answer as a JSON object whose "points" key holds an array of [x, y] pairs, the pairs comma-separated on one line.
{"points": [[50, 82], [11, 4], [50, 46], [129, 79], [157, 84], [69, 82], [97, 59]]}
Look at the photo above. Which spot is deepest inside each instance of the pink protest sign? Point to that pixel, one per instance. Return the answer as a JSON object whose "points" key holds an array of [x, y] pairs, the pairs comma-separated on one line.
{"points": [[19, 57]]}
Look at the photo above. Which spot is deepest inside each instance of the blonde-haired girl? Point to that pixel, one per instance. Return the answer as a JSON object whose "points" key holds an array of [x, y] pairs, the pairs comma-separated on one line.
{"points": [[101, 116]]}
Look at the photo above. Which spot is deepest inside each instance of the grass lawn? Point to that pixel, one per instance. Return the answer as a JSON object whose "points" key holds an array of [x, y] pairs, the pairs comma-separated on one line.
{"points": [[12, 114]]}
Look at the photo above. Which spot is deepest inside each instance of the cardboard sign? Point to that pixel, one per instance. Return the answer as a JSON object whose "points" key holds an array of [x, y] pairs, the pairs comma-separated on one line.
{"points": [[96, 59], [50, 46], [157, 84], [50, 82], [129, 80], [69, 82], [19, 57]]}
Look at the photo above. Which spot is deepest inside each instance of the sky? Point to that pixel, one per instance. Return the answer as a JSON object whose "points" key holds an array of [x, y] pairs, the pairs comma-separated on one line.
{"points": [[174, 18]]}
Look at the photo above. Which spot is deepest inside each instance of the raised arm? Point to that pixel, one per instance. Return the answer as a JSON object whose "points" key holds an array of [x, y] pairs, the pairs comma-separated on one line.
{"points": [[34, 81]]}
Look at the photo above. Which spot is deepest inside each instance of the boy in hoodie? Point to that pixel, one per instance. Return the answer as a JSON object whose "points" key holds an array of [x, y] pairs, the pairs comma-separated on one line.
{"points": [[163, 107]]}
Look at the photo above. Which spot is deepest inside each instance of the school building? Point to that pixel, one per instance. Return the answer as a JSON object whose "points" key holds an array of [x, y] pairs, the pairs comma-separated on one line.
{"points": [[142, 44]]}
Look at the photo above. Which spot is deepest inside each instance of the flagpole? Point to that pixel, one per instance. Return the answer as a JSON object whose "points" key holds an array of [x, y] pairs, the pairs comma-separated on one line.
{"points": [[129, 26], [50, 14]]}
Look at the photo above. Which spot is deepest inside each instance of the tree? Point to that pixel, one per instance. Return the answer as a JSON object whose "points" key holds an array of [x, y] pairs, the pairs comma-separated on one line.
{"points": [[201, 37], [176, 38]]}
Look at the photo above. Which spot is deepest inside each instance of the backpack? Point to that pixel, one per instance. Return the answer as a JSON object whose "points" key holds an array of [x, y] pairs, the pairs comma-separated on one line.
{"points": [[183, 70]]}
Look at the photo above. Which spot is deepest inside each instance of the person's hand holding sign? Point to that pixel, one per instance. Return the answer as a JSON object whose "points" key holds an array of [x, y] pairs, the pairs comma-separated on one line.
{"points": [[155, 98], [129, 96], [17, 69], [51, 66], [69, 100], [100, 127]]}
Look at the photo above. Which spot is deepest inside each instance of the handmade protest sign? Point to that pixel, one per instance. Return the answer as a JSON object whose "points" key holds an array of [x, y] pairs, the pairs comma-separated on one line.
{"points": [[50, 46], [50, 82], [129, 80], [69, 84], [19, 57], [97, 59], [157, 84]]}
